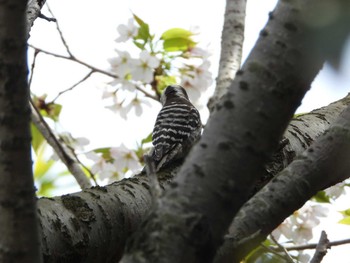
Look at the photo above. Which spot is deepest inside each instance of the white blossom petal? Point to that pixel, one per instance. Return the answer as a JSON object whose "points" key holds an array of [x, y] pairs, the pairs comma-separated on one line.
{"points": [[127, 31]]}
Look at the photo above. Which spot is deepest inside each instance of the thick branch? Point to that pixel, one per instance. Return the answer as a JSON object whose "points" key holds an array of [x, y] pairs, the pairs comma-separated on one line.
{"points": [[231, 47], [240, 136], [19, 240], [55, 240], [303, 178], [93, 225], [301, 132]]}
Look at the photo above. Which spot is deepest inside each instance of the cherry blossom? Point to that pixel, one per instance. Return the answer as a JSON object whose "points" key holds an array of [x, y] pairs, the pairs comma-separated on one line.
{"points": [[137, 103], [119, 108], [121, 64], [202, 76], [193, 92], [104, 169], [336, 190], [76, 143], [127, 31], [144, 67], [298, 227], [125, 158]]}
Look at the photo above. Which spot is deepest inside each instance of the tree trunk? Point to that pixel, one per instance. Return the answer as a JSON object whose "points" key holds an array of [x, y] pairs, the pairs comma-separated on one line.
{"points": [[19, 241], [239, 138]]}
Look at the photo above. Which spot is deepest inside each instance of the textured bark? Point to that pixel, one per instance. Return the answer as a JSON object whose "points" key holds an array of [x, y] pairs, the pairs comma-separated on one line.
{"points": [[61, 241], [19, 241], [301, 132], [33, 11], [93, 225], [231, 47], [323, 164], [240, 136]]}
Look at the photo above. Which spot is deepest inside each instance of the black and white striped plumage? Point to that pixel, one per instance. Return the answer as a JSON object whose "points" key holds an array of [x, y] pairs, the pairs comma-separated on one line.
{"points": [[178, 127]]}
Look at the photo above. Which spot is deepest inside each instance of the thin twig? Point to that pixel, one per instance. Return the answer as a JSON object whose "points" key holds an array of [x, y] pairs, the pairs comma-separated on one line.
{"points": [[60, 150], [74, 59], [64, 42], [321, 249], [49, 19], [92, 175], [314, 245], [76, 84], [283, 249], [273, 251], [32, 68]]}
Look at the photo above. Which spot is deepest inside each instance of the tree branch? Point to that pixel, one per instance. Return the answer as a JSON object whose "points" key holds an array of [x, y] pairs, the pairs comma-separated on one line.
{"points": [[231, 47], [303, 178], [313, 246], [301, 132], [141, 188], [33, 12], [288, 258], [73, 86], [241, 134], [93, 225], [61, 151], [321, 249], [93, 68]]}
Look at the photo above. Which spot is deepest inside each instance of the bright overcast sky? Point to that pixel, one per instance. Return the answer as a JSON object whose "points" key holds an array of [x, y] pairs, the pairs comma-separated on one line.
{"points": [[90, 29]]}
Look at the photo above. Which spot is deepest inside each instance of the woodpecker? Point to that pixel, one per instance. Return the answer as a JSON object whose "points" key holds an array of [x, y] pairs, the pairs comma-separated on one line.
{"points": [[178, 127]]}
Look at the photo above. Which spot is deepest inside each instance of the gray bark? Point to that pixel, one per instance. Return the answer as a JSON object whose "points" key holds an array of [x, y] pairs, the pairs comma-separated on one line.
{"points": [[301, 132], [231, 47], [19, 241], [240, 136], [33, 11], [323, 164], [62, 242], [93, 225]]}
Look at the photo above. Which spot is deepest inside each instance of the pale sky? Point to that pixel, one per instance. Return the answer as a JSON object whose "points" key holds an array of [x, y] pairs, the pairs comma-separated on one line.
{"points": [[90, 30]]}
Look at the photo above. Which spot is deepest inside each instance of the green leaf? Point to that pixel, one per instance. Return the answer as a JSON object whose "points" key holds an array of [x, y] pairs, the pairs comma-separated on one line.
{"points": [[321, 197], [178, 44], [140, 45], [143, 33], [345, 221], [41, 165], [45, 188], [345, 212], [37, 138], [177, 33], [52, 111], [106, 154], [147, 139], [138, 20], [164, 81]]}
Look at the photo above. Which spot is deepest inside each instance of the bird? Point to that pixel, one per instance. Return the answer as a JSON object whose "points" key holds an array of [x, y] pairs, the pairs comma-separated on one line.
{"points": [[177, 128]]}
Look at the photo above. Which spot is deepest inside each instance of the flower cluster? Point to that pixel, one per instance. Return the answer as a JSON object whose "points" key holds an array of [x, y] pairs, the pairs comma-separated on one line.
{"points": [[113, 162], [298, 227], [172, 58]]}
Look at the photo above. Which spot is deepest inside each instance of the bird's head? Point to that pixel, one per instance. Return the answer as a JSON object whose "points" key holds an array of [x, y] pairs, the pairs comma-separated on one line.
{"points": [[173, 91]]}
